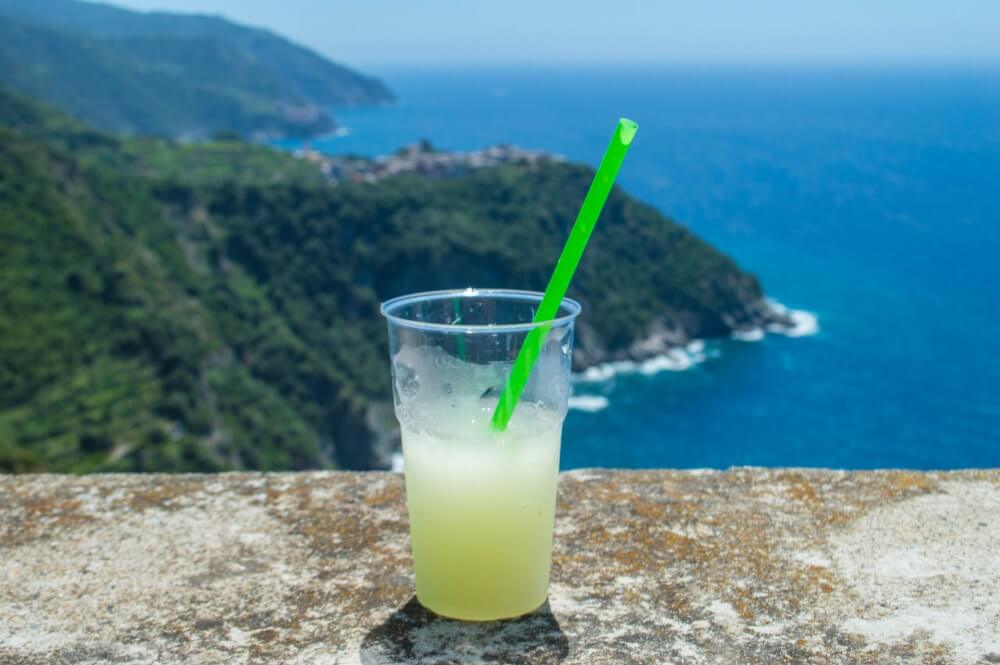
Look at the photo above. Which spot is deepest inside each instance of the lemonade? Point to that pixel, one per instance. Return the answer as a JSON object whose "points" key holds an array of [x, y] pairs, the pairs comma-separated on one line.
{"points": [[481, 497], [482, 507]]}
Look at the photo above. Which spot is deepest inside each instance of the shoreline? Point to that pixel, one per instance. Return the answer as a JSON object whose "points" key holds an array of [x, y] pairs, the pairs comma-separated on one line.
{"points": [[677, 358], [683, 357]]}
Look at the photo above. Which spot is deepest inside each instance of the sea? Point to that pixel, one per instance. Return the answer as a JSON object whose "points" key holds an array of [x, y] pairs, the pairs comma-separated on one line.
{"points": [[867, 200]]}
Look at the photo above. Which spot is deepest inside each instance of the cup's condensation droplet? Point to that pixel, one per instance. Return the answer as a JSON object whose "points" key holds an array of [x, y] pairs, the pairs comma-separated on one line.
{"points": [[447, 388]]}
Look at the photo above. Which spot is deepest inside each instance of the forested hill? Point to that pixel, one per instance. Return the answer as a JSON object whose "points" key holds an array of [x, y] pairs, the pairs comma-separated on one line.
{"points": [[215, 306], [172, 74]]}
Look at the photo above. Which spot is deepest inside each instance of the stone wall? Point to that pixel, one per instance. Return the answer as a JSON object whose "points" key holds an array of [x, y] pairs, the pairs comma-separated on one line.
{"points": [[745, 566]]}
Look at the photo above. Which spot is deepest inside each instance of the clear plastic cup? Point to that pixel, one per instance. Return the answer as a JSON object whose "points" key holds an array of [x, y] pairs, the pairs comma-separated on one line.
{"points": [[481, 502]]}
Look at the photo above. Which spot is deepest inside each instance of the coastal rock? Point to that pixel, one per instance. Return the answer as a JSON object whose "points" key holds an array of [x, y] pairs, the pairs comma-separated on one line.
{"points": [[659, 341], [180, 75], [747, 566], [285, 276], [665, 336], [759, 315]]}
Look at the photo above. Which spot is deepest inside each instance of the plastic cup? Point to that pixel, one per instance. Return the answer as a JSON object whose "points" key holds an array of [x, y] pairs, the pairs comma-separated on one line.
{"points": [[481, 502]]}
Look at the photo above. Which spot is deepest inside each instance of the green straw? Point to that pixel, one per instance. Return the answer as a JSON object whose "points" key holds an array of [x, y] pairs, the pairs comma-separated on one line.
{"points": [[593, 203]]}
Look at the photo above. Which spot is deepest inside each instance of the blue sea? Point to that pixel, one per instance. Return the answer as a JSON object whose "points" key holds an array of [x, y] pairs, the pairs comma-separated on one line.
{"points": [[868, 197]]}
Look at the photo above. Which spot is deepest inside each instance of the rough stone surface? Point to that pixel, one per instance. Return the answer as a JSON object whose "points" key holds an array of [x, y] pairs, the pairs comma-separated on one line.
{"points": [[744, 566]]}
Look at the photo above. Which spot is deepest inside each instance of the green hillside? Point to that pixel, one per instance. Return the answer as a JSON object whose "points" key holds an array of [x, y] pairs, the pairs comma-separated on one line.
{"points": [[171, 74], [311, 75], [166, 307]]}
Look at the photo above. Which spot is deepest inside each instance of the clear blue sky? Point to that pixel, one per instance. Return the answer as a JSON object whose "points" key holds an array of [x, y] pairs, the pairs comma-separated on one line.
{"points": [[394, 32]]}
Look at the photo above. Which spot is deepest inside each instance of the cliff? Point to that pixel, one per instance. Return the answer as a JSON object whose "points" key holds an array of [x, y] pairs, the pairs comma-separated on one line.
{"points": [[215, 306], [172, 74]]}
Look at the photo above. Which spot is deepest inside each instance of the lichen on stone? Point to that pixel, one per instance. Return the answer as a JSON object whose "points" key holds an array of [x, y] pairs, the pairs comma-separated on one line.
{"points": [[748, 565]]}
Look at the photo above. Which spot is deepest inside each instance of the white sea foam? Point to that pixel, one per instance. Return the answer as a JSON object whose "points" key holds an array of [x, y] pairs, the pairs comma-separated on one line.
{"points": [[750, 335], [804, 323], [396, 461], [589, 403], [606, 371], [695, 352], [674, 360], [776, 306]]}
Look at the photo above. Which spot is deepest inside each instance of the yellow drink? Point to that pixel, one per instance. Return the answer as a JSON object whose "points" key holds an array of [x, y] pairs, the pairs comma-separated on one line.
{"points": [[481, 501], [482, 507]]}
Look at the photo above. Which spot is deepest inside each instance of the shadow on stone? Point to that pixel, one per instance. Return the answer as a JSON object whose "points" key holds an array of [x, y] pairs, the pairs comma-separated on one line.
{"points": [[414, 634]]}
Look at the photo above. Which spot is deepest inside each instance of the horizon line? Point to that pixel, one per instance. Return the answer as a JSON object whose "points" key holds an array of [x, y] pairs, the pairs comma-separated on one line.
{"points": [[684, 64]]}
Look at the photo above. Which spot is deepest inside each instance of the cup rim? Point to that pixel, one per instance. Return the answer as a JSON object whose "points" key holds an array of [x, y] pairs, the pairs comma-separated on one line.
{"points": [[389, 306]]}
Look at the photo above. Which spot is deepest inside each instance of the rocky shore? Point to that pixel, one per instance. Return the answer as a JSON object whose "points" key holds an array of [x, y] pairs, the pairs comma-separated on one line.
{"points": [[666, 347], [668, 337], [210, 255]]}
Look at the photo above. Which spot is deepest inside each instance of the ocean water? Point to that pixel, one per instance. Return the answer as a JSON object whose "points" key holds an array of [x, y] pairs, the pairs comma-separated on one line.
{"points": [[867, 197]]}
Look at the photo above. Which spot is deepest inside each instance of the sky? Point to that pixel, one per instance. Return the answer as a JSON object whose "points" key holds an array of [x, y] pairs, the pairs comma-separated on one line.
{"points": [[416, 32]]}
